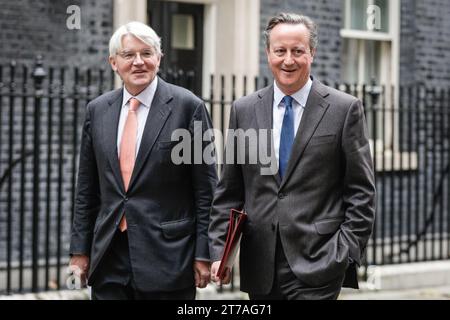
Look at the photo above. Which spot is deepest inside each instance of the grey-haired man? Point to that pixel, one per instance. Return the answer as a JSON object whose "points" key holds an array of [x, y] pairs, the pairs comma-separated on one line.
{"points": [[140, 225]]}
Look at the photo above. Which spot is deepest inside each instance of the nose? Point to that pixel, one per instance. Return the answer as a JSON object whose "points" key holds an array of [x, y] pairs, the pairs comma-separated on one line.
{"points": [[137, 59], [288, 59]]}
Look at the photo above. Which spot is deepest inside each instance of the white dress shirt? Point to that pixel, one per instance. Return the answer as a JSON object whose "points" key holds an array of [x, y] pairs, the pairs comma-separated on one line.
{"points": [[298, 104], [146, 98]]}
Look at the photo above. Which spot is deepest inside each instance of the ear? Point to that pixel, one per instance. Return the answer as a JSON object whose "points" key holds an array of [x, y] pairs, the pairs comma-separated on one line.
{"points": [[313, 54], [268, 53], [113, 63], [159, 59]]}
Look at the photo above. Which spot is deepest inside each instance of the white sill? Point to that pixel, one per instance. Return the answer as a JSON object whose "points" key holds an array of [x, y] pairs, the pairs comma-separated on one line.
{"points": [[365, 35]]}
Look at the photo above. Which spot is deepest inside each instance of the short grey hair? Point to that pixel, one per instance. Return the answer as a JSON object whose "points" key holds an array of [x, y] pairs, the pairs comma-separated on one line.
{"points": [[139, 30], [293, 18]]}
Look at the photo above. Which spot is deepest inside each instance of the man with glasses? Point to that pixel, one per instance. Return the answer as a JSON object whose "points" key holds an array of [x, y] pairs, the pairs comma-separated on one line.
{"points": [[140, 224]]}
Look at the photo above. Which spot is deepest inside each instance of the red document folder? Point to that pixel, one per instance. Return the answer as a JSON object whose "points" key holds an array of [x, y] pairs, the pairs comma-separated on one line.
{"points": [[234, 235]]}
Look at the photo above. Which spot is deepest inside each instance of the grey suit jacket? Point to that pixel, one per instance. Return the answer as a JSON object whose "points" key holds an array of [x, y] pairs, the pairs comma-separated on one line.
{"points": [[167, 206], [324, 206]]}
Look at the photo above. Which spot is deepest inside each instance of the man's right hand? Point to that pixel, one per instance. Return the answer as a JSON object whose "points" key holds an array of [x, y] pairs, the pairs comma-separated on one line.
{"points": [[79, 265], [215, 278]]}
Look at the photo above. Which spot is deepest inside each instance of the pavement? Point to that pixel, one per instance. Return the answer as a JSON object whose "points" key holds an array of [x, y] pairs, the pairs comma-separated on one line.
{"points": [[425, 293], [211, 293]]}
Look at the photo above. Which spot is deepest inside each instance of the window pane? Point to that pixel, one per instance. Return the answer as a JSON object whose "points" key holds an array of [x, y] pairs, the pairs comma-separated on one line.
{"points": [[183, 31], [361, 61], [369, 15], [358, 14], [373, 56], [384, 9], [350, 61], [362, 64]]}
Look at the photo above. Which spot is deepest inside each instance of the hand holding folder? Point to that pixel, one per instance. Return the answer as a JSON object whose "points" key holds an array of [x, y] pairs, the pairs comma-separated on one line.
{"points": [[234, 235]]}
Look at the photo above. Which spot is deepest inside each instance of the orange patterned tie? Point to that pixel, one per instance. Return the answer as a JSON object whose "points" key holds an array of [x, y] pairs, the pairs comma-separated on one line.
{"points": [[128, 150]]}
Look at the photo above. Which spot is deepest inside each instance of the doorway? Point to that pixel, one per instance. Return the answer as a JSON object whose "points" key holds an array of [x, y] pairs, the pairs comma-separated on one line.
{"points": [[180, 26]]}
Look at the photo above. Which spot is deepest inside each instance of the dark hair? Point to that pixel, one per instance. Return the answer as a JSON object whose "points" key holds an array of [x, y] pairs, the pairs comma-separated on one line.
{"points": [[293, 18]]}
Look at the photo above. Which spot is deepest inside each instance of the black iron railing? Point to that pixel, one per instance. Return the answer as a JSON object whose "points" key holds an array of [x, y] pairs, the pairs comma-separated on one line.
{"points": [[41, 114]]}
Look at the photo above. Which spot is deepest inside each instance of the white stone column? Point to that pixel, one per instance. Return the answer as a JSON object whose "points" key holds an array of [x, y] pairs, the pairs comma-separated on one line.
{"points": [[125, 11]]}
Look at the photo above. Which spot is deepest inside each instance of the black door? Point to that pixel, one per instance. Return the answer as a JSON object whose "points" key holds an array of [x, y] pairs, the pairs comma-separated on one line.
{"points": [[180, 26]]}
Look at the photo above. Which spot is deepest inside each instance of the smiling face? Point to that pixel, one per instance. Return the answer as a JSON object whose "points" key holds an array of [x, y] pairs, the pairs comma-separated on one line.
{"points": [[137, 64], [289, 56]]}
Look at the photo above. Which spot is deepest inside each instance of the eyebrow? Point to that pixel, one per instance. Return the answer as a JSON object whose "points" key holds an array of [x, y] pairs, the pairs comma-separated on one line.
{"points": [[129, 50], [303, 49], [284, 47]]}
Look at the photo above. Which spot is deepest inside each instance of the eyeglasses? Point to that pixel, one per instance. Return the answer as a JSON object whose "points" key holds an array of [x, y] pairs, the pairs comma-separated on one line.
{"points": [[131, 56]]}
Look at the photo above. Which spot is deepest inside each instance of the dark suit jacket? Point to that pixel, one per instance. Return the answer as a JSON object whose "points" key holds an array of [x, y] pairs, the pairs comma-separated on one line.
{"points": [[167, 206], [324, 205]]}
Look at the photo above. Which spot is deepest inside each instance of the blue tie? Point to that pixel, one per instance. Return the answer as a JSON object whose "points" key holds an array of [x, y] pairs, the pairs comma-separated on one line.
{"points": [[287, 135]]}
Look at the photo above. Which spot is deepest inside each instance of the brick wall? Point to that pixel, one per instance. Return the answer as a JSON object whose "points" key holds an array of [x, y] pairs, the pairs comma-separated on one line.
{"points": [[424, 38], [31, 27], [425, 42]]}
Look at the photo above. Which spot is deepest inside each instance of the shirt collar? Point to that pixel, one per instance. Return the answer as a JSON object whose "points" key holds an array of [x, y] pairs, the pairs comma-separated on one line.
{"points": [[145, 96], [301, 96]]}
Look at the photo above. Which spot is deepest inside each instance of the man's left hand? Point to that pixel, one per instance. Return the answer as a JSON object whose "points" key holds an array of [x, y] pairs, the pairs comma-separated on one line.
{"points": [[202, 273]]}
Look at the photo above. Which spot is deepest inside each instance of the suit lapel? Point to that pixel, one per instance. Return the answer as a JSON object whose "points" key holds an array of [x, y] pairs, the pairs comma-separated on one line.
{"points": [[315, 108], [263, 108], [264, 118], [157, 116], [110, 133]]}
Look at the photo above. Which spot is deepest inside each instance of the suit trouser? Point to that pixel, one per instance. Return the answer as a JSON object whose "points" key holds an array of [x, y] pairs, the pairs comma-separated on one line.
{"points": [[113, 280], [286, 285]]}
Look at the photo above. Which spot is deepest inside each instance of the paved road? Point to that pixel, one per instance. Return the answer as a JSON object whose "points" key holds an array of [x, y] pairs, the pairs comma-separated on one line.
{"points": [[210, 293]]}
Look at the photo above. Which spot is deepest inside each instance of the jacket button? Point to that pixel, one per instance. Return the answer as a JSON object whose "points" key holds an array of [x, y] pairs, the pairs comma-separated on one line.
{"points": [[273, 226], [281, 195], [126, 198]]}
